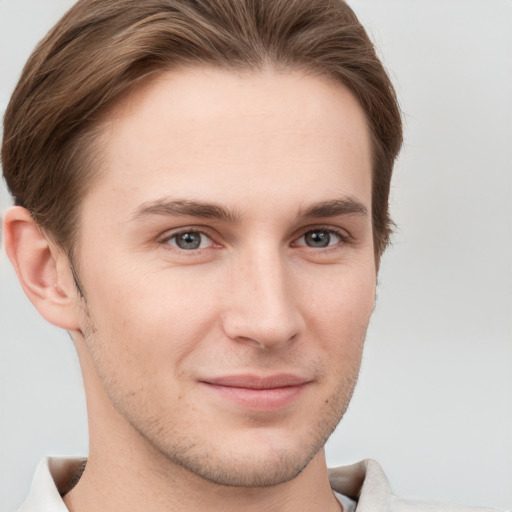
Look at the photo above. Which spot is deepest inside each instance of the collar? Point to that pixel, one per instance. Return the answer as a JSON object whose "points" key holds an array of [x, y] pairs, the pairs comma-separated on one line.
{"points": [[363, 482], [53, 475]]}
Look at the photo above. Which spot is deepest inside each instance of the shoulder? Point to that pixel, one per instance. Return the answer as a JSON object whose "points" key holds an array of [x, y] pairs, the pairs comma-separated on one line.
{"points": [[366, 483]]}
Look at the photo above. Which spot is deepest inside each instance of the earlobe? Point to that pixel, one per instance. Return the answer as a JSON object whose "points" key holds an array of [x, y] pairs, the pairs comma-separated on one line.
{"points": [[39, 264]]}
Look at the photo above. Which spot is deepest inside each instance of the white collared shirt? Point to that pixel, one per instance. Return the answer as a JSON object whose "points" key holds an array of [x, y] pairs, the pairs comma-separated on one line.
{"points": [[364, 483]]}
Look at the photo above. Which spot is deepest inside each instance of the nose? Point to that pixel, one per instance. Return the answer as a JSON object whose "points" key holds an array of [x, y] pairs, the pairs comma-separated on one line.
{"points": [[262, 304]]}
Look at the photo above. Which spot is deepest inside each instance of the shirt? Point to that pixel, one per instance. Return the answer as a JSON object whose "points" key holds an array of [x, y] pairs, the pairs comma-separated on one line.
{"points": [[362, 485]]}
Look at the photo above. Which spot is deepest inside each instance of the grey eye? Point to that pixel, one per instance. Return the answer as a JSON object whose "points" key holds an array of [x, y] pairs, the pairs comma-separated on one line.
{"points": [[189, 240], [320, 238]]}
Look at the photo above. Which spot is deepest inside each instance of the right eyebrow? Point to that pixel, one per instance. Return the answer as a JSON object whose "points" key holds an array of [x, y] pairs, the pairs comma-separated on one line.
{"points": [[186, 208]]}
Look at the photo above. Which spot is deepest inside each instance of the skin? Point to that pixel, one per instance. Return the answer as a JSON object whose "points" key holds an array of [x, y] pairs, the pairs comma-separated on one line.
{"points": [[282, 162]]}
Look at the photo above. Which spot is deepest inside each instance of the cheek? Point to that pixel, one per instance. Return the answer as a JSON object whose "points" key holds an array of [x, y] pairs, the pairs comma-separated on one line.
{"points": [[345, 298], [338, 317], [146, 319]]}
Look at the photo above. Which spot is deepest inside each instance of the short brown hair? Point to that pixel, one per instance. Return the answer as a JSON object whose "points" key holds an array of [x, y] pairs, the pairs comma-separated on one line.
{"points": [[100, 49]]}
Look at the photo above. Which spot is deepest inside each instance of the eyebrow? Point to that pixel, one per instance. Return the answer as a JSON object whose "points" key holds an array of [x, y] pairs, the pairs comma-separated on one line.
{"points": [[333, 208], [188, 208]]}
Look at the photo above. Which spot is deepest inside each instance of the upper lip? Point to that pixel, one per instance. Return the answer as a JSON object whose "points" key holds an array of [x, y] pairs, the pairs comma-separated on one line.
{"points": [[257, 382]]}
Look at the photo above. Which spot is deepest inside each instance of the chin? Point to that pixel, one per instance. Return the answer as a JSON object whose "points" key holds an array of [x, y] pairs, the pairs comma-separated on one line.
{"points": [[254, 451], [268, 470], [259, 457]]}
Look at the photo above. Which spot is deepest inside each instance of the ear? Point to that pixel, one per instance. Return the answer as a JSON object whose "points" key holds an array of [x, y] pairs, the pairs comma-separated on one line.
{"points": [[43, 269]]}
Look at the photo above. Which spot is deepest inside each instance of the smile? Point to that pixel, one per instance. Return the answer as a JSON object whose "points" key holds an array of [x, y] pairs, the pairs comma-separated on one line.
{"points": [[261, 394]]}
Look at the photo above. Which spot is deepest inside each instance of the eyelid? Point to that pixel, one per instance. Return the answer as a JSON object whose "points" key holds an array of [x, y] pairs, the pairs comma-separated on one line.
{"points": [[343, 234], [172, 233]]}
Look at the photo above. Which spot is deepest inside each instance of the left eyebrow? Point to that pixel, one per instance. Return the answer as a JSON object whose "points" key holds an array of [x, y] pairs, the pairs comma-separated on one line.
{"points": [[333, 208]]}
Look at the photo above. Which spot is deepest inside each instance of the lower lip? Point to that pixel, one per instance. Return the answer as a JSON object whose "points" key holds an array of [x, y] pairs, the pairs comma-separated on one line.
{"points": [[262, 400]]}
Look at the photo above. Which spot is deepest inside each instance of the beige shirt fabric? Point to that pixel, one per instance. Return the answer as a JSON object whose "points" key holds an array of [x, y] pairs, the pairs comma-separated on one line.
{"points": [[364, 482]]}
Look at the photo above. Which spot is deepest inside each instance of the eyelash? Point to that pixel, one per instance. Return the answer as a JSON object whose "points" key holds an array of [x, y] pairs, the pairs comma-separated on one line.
{"points": [[173, 236], [342, 235]]}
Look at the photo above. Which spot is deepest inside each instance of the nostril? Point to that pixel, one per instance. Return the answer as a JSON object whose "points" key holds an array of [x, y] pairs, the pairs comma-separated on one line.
{"points": [[261, 332]]}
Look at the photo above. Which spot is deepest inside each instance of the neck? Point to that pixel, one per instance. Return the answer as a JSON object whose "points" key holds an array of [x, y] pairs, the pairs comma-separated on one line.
{"points": [[128, 483]]}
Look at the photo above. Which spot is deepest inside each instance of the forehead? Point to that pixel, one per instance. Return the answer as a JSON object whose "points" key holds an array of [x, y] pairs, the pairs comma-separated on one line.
{"points": [[266, 134]]}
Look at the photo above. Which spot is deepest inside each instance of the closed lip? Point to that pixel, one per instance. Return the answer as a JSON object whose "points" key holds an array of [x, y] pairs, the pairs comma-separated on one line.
{"points": [[256, 393], [257, 382]]}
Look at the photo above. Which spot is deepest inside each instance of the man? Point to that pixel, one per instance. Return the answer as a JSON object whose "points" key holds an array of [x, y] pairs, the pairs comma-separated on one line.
{"points": [[201, 193]]}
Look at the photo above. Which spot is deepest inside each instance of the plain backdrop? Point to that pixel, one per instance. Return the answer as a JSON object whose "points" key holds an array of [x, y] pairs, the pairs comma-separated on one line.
{"points": [[434, 401]]}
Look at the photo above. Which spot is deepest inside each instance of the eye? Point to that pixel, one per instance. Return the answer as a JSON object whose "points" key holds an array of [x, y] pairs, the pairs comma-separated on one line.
{"points": [[190, 240], [320, 238]]}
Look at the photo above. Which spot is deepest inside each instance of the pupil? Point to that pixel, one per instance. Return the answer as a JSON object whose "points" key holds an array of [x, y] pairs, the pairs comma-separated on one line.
{"points": [[188, 241], [318, 238]]}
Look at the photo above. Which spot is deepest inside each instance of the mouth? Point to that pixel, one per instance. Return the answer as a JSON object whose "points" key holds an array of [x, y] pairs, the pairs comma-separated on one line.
{"points": [[261, 394]]}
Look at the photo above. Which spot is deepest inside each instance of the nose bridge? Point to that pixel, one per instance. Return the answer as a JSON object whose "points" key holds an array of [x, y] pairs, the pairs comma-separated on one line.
{"points": [[262, 307]]}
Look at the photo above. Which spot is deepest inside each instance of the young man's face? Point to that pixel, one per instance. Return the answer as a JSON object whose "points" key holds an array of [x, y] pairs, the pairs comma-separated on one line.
{"points": [[227, 263]]}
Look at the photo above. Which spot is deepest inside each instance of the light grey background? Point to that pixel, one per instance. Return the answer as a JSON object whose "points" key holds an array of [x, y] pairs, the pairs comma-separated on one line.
{"points": [[434, 401]]}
